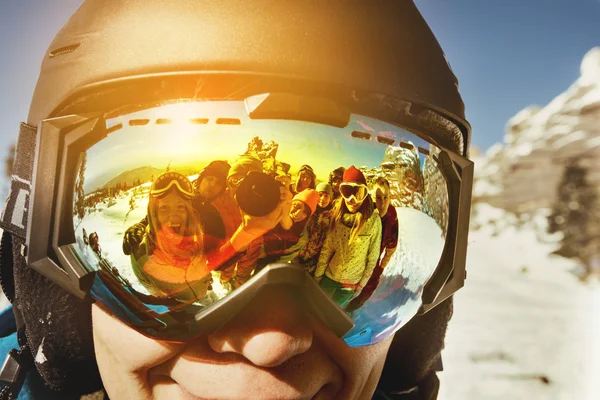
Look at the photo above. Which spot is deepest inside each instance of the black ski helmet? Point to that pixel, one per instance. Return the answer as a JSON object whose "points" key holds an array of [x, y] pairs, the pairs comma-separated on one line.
{"points": [[377, 57]]}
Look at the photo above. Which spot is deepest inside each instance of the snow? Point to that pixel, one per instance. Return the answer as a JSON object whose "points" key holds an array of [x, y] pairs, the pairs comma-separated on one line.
{"points": [[413, 262], [110, 223], [522, 317], [537, 142], [40, 357], [590, 66]]}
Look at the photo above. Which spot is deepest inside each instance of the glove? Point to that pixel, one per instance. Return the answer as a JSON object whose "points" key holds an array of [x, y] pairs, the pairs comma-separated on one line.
{"points": [[133, 237]]}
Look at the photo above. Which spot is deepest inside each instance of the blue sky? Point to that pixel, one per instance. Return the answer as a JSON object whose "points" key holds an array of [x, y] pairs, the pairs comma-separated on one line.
{"points": [[507, 54]]}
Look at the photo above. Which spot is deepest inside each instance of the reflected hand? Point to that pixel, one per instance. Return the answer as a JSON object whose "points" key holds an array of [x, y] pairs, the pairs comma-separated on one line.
{"points": [[258, 226], [132, 238], [255, 227], [285, 180]]}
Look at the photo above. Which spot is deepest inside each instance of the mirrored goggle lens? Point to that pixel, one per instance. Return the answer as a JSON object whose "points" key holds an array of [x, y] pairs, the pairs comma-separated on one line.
{"points": [[155, 242], [359, 192]]}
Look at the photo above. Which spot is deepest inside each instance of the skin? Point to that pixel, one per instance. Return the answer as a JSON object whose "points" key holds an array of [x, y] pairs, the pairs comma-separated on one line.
{"points": [[298, 211], [272, 349], [304, 180], [324, 199], [210, 187], [382, 200], [172, 213]]}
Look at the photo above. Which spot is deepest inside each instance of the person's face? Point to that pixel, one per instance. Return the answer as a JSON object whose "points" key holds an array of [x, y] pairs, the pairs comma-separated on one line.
{"points": [[305, 178], [210, 187], [324, 199], [353, 205], [272, 349], [335, 184], [172, 213], [382, 200], [298, 211]]}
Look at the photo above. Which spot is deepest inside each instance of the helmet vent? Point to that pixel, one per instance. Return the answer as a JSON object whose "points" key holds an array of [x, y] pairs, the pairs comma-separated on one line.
{"points": [[199, 121], [139, 122], [384, 140], [63, 50], [361, 135], [228, 121]]}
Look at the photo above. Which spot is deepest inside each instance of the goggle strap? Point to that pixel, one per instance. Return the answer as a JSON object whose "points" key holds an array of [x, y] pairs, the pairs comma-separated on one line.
{"points": [[16, 207]]}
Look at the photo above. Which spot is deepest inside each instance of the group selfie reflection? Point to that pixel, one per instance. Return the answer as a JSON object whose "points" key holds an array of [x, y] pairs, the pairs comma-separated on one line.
{"points": [[163, 230]]}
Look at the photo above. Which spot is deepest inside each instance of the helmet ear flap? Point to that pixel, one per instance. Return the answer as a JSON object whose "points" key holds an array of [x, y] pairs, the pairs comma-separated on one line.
{"points": [[58, 326], [415, 356]]}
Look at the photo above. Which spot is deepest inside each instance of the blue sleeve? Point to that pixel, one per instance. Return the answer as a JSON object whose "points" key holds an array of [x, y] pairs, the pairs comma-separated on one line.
{"points": [[7, 322]]}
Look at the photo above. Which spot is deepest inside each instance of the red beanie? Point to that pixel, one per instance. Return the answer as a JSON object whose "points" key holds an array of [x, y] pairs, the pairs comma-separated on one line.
{"points": [[310, 197], [354, 175]]}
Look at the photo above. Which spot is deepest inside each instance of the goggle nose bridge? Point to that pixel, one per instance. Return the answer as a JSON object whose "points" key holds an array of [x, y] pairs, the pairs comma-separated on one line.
{"points": [[319, 303]]}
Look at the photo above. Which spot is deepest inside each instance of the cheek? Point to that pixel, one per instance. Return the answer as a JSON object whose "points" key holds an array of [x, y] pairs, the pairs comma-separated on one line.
{"points": [[183, 215], [162, 218], [121, 351], [364, 364]]}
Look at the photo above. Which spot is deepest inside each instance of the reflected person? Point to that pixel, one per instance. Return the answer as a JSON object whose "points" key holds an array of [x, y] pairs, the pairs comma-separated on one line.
{"points": [[351, 248], [381, 194], [170, 262], [316, 230]]}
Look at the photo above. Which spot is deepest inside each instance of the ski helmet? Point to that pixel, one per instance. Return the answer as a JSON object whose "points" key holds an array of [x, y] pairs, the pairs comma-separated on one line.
{"points": [[376, 59]]}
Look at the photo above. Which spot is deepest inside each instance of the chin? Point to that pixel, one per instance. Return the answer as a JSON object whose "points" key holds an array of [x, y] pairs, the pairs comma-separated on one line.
{"points": [[353, 209]]}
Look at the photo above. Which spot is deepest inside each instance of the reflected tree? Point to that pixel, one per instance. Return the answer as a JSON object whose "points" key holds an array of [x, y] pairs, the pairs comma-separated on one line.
{"points": [[79, 203]]}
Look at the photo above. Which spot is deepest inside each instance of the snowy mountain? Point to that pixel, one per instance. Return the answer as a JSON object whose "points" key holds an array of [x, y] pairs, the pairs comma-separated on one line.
{"points": [[401, 167], [521, 175], [143, 174]]}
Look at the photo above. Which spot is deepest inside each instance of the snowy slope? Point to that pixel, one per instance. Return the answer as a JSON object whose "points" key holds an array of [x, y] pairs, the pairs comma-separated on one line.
{"points": [[524, 327]]}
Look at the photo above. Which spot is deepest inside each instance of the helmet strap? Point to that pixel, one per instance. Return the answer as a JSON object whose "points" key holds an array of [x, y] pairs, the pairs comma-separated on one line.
{"points": [[16, 209]]}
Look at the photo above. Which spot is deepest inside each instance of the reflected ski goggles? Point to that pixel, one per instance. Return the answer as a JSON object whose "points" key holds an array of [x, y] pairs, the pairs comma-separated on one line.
{"points": [[174, 263], [353, 190], [169, 181]]}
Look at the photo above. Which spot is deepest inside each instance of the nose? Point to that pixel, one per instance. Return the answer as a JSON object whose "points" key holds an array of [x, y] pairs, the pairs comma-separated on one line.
{"points": [[272, 329]]}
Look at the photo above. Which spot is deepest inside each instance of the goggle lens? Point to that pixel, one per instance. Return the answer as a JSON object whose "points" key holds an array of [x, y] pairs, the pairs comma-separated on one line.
{"points": [[154, 262], [359, 192]]}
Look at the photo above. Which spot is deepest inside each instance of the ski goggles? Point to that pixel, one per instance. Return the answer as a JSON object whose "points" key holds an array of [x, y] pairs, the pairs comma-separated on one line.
{"points": [[353, 190], [160, 265], [171, 180]]}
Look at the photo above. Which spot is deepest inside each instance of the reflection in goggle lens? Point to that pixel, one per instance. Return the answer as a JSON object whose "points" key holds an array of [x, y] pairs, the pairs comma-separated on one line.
{"points": [[172, 180], [151, 236]]}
